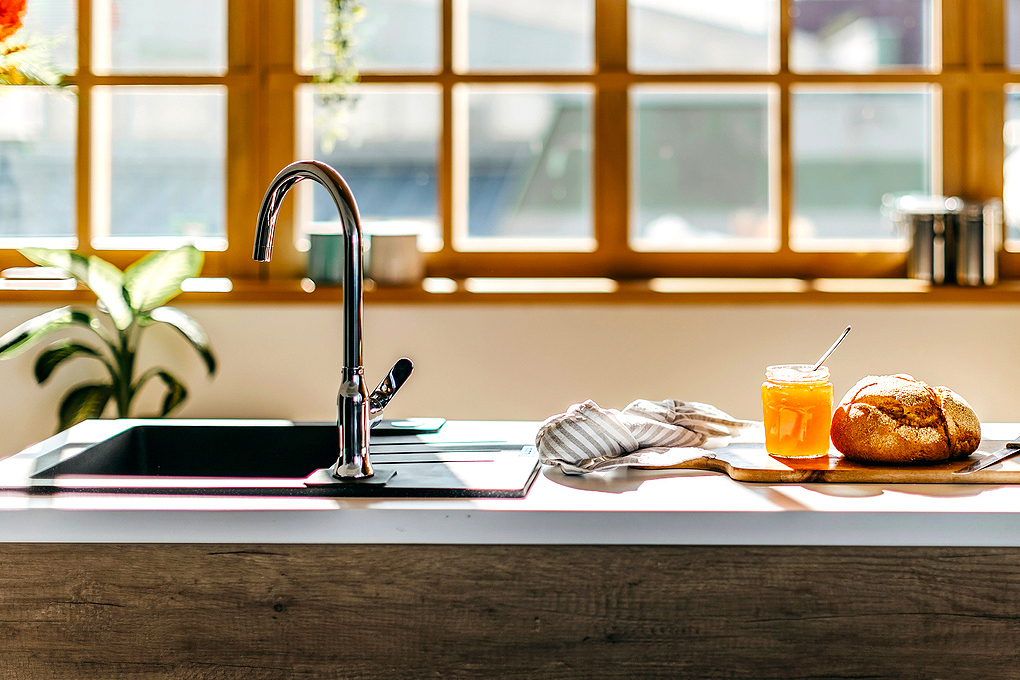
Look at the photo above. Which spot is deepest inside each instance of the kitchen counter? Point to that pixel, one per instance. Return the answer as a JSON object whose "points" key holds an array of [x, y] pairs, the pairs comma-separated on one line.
{"points": [[678, 507], [637, 574]]}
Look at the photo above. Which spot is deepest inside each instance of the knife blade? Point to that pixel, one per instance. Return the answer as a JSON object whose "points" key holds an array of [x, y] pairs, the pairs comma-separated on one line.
{"points": [[1008, 451]]}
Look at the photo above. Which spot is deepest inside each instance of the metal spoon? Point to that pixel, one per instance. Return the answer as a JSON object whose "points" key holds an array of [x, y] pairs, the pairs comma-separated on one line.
{"points": [[830, 350]]}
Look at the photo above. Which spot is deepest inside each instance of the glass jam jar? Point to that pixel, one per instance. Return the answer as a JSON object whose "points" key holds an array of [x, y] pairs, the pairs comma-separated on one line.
{"points": [[797, 405]]}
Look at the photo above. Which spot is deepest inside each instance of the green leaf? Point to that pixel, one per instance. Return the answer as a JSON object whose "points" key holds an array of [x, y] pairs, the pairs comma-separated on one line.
{"points": [[27, 334], [190, 329], [102, 278], [107, 282], [58, 354], [156, 278], [84, 402], [74, 264], [176, 392]]}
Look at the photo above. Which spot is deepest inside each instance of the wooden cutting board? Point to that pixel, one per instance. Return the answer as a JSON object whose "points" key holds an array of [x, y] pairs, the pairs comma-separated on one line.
{"points": [[748, 462]]}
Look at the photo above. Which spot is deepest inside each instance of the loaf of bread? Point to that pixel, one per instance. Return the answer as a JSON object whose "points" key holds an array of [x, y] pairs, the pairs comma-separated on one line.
{"points": [[897, 419]]}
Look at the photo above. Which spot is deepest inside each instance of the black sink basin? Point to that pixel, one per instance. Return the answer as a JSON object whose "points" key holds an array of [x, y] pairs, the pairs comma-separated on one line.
{"points": [[214, 451], [281, 459]]}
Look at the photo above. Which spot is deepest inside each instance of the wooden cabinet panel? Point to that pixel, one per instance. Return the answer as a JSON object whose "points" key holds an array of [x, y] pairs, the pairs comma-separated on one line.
{"points": [[407, 611]]}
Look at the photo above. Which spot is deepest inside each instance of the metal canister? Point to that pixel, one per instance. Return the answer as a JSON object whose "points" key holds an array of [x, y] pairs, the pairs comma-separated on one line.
{"points": [[930, 225], [978, 239]]}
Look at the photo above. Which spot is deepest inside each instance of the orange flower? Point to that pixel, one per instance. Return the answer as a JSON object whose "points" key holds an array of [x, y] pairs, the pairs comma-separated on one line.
{"points": [[11, 12]]}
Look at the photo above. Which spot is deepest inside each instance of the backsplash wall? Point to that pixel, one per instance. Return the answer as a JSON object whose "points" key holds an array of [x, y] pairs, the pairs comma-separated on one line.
{"points": [[527, 362]]}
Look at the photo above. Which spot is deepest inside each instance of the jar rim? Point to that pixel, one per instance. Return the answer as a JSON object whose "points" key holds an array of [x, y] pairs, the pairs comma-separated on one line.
{"points": [[796, 373]]}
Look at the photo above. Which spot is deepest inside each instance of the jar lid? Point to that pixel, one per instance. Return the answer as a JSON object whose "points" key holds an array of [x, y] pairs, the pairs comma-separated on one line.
{"points": [[796, 373]]}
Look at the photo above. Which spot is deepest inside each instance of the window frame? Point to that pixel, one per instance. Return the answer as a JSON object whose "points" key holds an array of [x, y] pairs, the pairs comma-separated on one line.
{"points": [[262, 79]]}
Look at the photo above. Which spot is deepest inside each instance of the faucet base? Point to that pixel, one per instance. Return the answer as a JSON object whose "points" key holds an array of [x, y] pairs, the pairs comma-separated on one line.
{"points": [[325, 477]]}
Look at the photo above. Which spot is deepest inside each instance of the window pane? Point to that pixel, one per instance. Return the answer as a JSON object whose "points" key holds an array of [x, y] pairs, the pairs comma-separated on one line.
{"points": [[390, 35], [694, 35], [53, 22], [385, 144], [851, 148], [529, 167], [1013, 34], [528, 35], [37, 137], [700, 159], [158, 161], [140, 36], [1011, 168], [861, 36]]}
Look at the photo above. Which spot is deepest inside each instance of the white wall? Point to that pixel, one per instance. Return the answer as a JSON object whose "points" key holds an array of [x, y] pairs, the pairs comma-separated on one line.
{"points": [[531, 361]]}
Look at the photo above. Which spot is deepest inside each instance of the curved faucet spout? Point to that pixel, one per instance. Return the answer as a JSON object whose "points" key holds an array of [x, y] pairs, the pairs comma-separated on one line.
{"points": [[350, 221], [353, 399]]}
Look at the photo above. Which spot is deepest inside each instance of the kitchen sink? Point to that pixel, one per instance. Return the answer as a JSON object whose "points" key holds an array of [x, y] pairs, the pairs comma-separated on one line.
{"points": [[412, 458]]}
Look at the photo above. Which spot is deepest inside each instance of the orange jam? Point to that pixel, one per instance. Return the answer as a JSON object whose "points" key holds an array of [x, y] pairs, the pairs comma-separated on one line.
{"points": [[797, 405]]}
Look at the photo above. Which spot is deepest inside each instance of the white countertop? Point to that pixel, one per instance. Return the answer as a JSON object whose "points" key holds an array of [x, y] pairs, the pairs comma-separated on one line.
{"points": [[676, 507]]}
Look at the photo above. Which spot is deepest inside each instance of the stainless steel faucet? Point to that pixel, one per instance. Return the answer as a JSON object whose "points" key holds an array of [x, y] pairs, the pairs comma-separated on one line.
{"points": [[357, 410]]}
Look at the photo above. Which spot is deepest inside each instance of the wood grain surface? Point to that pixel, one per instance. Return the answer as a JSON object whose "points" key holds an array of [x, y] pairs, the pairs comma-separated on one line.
{"points": [[515, 612], [749, 462]]}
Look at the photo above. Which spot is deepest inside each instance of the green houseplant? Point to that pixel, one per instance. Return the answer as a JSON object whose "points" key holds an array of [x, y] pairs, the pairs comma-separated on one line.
{"points": [[132, 300], [335, 58], [336, 70]]}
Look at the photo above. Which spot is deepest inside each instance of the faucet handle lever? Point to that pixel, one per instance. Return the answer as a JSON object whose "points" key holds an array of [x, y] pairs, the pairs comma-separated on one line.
{"points": [[382, 394]]}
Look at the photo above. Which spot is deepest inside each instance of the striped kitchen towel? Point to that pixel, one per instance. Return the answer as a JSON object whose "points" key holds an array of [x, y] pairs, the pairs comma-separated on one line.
{"points": [[647, 433]]}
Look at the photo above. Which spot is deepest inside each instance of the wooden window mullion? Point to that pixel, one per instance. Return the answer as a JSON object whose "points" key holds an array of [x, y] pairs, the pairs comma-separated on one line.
{"points": [[275, 131], [83, 138], [989, 103], [243, 153], [444, 183], [784, 206], [611, 176]]}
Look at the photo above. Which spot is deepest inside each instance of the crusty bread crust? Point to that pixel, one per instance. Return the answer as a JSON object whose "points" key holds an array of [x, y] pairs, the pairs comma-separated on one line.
{"points": [[962, 423], [897, 419]]}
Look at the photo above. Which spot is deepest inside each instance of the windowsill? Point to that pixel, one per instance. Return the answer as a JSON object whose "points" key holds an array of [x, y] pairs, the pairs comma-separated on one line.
{"points": [[559, 291]]}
